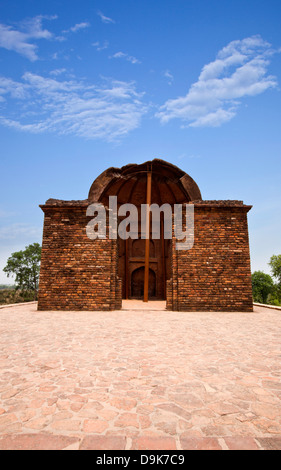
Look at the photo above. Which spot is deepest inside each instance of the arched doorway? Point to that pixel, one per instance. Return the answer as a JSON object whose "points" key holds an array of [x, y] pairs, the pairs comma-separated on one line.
{"points": [[137, 284], [166, 184]]}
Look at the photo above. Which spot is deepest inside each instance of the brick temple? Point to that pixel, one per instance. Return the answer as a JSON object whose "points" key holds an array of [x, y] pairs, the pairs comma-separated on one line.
{"points": [[79, 273]]}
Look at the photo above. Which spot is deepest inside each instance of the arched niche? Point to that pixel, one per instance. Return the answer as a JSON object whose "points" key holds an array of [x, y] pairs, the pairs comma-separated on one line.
{"points": [[137, 283], [170, 184]]}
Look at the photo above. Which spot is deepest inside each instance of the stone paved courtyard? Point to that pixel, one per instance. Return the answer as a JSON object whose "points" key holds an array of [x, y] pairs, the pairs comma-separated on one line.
{"points": [[140, 378]]}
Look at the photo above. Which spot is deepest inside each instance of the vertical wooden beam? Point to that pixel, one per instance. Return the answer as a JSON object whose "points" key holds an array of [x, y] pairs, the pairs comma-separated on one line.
{"points": [[126, 268], [163, 254], [147, 240]]}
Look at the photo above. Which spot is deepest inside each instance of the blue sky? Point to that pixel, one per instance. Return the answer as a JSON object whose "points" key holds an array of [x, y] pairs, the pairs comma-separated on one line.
{"points": [[92, 84]]}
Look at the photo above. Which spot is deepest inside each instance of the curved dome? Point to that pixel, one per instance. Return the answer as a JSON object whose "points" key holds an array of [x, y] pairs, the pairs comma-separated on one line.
{"points": [[169, 184]]}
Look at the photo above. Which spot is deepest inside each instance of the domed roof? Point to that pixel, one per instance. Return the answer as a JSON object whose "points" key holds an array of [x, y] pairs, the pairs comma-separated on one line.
{"points": [[169, 184]]}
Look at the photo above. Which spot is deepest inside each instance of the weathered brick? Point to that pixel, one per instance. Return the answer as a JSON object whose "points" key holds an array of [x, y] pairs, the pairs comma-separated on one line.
{"points": [[78, 273], [215, 274]]}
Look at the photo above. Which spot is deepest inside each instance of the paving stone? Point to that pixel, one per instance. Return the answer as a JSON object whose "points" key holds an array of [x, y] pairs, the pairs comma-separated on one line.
{"points": [[241, 443], [203, 375], [103, 443], [200, 444], [35, 442], [123, 403], [172, 408], [6, 419], [66, 425], [153, 443], [37, 423], [126, 420], [94, 426], [108, 415], [270, 443]]}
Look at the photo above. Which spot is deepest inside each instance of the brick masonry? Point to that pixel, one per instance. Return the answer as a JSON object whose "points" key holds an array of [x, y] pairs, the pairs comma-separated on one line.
{"points": [[77, 273], [215, 275]]}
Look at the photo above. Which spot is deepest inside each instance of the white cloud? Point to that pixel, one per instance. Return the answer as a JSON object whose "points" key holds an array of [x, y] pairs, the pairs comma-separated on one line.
{"points": [[57, 72], [100, 47], [79, 26], [76, 28], [73, 107], [33, 27], [12, 88], [123, 55], [167, 74], [105, 19], [20, 41], [17, 41], [239, 70]]}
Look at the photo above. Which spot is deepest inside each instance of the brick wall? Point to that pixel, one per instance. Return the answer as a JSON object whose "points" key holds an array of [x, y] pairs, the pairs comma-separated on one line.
{"points": [[76, 273], [82, 274], [215, 274]]}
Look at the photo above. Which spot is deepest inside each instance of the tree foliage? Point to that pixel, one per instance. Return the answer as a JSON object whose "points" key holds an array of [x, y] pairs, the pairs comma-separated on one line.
{"points": [[265, 290], [25, 266], [262, 286], [274, 298], [275, 265]]}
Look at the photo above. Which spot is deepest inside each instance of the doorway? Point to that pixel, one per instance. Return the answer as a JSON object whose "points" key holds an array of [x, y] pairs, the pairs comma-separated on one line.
{"points": [[137, 284]]}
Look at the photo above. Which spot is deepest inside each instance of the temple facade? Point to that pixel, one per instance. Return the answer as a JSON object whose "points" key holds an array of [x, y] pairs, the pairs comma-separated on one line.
{"points": [[81, 273]]}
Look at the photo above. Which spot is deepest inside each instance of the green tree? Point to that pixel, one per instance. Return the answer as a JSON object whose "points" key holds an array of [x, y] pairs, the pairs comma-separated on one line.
{"points": [[263, 285], [275, 265], [25, 266], [274, 298]]}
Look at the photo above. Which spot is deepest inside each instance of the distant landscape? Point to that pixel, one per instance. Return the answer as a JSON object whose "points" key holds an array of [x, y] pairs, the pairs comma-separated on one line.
{"points": [[10, 295]]}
